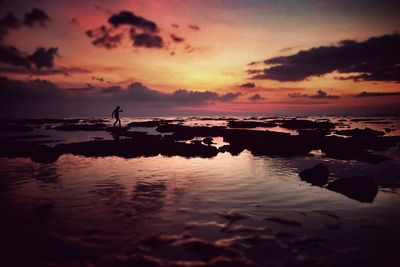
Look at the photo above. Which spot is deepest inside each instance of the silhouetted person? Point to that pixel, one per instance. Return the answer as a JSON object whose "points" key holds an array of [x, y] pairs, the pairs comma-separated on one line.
{"points": [[115, 114]]}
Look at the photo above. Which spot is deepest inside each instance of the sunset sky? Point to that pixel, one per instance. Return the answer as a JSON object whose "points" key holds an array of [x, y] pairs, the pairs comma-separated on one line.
{"points": [[77, 58]]}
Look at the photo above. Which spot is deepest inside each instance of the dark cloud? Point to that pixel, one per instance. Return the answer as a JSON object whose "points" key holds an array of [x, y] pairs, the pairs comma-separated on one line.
{"points": [[129, 18], [141, 93], [175, 25], [319, 95], [247, 85], [44, 58], [102, 37], [376, 59], [147, 40], [228, 97], [12, 56], [36, 16], [375, 94], [176, 39], [74, 21], [142, 32], [10, 21], [253, 63], [256, 97], [14, 91], [99, 79], [33, 97], [194, 27], [252, 72], [111, 90], [66, 71]]}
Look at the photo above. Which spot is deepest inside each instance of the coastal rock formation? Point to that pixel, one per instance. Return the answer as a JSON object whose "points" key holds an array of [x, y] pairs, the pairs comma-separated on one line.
{"points": [[250, 124], [317, 175], [363, 189]]}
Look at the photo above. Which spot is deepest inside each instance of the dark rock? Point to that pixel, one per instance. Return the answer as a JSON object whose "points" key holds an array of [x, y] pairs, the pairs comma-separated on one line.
{"points": [[44, 154], [140, 145], [307, 124], [250, 124], [363, 189], [285, 221], [317, 175], [208, 140], [367, 132], [15, 128], [143, 124], [23, 137], [356, 148], [81, 127], [46, 121]]}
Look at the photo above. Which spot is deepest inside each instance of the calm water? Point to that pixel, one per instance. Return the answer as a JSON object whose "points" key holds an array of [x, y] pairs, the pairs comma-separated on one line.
{"points": [[173, 211]]}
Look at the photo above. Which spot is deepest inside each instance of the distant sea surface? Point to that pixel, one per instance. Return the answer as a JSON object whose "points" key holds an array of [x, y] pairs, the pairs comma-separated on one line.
{"points": [[225, 210]]}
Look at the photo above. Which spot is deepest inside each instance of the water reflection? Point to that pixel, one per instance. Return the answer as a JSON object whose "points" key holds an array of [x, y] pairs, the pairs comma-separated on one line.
{"points": [[148, 196]]}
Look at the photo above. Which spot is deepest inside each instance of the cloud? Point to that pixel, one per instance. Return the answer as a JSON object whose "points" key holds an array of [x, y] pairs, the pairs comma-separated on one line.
{"points": [[12, 56], [10, 21], [28, 98], [254, 71], [141, 93], [102, 37], [74, 21], [147, 40], [319, 95], [375, 59], [194, 27], [247, 85], [175, 25], [253, 63], [375, 94], [36, 16], [176, 38], [44, 58], [111, 90], [129, 18], [256, 97], [66, 71], [228, 97], [142, 32]]}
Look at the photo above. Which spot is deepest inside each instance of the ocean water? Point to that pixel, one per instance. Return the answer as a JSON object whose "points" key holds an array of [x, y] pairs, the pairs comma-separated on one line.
{"points": [[227, 210]]}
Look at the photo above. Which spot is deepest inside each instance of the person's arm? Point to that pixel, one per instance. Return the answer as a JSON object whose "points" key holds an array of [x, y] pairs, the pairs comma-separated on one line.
{"points": [[112, 115]]}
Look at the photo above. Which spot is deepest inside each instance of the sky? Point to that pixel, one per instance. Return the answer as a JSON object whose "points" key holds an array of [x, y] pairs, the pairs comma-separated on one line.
{"points": [[210, 57]]}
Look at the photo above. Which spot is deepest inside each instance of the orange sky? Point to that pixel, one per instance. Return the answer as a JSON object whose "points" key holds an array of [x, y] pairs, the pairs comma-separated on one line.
{"points": [[215, 57]]}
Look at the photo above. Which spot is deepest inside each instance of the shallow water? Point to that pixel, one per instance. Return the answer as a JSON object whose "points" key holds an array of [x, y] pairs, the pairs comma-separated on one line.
{"points": [[173, 211]]}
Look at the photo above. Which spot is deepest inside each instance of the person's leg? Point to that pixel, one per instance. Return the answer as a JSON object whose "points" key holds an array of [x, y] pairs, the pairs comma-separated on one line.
{"points": [[115, 122], [119, 122]]}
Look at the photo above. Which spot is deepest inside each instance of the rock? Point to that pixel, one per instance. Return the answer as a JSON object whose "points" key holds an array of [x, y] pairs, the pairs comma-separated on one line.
{"points": [[15, 128], [317, 175], [144, 124], [81, 127], [208, 140], [285, 221], [250, 124], [307, 124], [46, 121], [367, 132], [363, 189], [44, 154]]}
